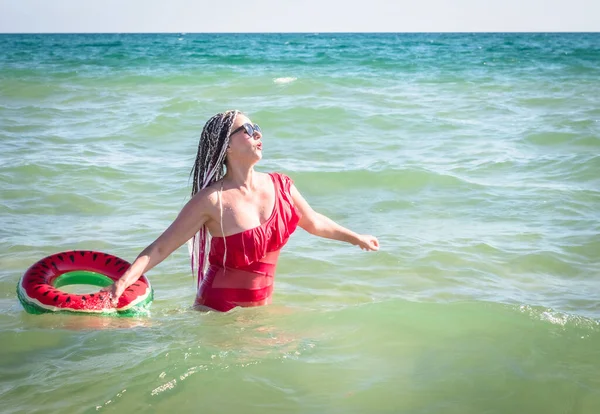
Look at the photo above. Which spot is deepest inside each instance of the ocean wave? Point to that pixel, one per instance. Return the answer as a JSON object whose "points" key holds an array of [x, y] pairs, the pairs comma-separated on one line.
{"points": [[284, 80]]}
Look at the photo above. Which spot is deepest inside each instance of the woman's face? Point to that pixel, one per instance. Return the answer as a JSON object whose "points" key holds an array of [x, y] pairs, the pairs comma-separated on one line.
{"points": [[244, 147]]}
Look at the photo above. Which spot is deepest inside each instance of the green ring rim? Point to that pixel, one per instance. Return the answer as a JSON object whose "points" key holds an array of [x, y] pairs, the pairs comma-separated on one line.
{"points": [[82, 277]]}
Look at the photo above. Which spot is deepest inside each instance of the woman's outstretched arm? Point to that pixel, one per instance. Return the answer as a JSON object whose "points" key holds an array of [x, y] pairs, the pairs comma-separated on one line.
{"points": [[322, 226], [191, 218]]}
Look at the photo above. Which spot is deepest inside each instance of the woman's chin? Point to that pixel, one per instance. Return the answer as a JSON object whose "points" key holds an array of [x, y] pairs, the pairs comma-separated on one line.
{"points": [[255, 158]]}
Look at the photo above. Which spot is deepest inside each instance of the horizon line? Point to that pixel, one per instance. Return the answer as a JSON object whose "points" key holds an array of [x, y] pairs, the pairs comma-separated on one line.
{"points": [[317, 32]]}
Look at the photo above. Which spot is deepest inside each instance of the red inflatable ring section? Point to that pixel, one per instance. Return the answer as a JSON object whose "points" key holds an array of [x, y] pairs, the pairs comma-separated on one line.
{"points": [[38, 294]]}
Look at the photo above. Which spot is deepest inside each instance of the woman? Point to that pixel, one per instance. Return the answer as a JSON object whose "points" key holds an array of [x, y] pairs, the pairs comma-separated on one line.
{"points": [[249, 216]]}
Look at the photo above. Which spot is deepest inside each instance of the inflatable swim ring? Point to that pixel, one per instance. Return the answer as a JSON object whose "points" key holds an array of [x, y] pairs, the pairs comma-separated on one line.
{"points": [[38, 289]]}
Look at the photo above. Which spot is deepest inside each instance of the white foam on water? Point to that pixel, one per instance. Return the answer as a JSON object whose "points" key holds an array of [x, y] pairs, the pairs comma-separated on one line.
{"points": [[284, 80]]}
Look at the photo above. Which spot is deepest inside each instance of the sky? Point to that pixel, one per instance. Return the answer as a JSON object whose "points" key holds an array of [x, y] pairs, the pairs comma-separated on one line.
{"points": [[197, 16]]}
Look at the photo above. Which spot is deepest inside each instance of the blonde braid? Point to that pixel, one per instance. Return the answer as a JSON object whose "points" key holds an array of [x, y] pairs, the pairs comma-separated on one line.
{"points": [[209, 167]]}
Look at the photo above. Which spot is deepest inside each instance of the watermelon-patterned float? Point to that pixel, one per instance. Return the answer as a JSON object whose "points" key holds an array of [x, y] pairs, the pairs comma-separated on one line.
{"points": [[38, 290]]}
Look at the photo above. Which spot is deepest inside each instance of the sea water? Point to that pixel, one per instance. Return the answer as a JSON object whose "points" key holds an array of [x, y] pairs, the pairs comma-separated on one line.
{"points": [[474, 158]]}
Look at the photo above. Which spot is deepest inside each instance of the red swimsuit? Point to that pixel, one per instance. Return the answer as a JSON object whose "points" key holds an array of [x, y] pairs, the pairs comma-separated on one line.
{"points": [[247, 279]]}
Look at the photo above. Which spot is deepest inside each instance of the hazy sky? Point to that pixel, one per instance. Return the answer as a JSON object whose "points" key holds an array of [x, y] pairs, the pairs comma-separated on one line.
{"points": [[40, 16]]}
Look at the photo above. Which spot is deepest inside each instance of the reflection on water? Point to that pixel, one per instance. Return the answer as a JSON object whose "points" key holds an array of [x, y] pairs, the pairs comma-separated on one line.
{"points": [[82, 322]]}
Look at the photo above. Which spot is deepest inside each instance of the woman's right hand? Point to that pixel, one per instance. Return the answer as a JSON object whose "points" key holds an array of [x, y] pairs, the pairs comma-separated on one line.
{"points": [[115, 291]]}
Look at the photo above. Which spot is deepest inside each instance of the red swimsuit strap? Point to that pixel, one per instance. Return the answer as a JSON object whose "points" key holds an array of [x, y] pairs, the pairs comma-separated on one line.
{"points": [[248, 246]]}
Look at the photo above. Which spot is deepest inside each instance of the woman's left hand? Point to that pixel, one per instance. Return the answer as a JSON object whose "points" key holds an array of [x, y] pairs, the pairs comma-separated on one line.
{"points": [[368, 242]]}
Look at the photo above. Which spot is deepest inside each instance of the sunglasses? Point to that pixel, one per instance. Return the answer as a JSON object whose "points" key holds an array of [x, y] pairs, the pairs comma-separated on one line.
{"points": [[250, 129]]}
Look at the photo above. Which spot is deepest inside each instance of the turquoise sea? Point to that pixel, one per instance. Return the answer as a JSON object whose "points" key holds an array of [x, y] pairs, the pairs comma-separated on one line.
{"points": [[475, 158]]}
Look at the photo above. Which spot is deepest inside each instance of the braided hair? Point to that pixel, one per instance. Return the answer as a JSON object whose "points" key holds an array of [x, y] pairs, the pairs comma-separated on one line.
{"points": [[209, 167]]}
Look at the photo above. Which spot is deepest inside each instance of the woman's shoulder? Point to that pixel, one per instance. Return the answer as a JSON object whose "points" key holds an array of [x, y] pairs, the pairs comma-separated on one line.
{"points": [[283, 181], [208, 197], [278, 175]]}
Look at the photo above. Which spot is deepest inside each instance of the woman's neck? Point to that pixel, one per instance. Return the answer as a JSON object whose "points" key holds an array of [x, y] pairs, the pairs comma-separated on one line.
{"points": [[243, 178]]}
